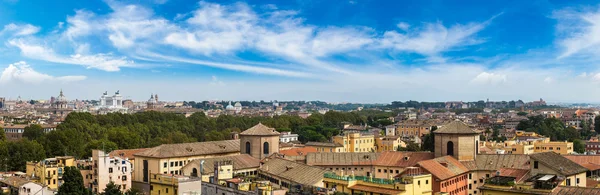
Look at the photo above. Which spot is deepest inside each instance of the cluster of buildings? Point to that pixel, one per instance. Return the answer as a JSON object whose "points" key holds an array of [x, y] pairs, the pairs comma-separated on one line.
{"points": [[257, 161]]}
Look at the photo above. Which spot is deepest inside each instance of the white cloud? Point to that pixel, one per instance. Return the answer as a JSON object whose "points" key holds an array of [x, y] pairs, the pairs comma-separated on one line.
{"points": [[216, 81], [489, 78], [106, 62], [21, 72], [403, 26], [578, 31], [549, 80], [19, 30]]}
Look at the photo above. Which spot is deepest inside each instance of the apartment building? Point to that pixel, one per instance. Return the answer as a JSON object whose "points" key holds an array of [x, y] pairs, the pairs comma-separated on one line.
{"points": [[49, 171], [356, 142], [101, 169]]}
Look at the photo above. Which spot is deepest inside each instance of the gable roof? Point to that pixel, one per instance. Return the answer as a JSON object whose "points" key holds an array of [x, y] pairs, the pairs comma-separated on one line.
{"points": [[568, 190], [128, 153], [436, 167], [343, 158], [591, 162], [558, 163], [293, 171], [260, 129], [455, 127], [298, 151], [191, 149], [242, 161], [402, 159]]}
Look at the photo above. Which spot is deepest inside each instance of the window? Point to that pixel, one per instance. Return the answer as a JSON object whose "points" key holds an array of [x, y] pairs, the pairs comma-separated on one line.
{"points": [[450, 148], [419, 182], [165, 165], [577, 181], [247, 147], [469, 186], [551, 148], [266, 148], [426, 181], [110, 170], [557, 148], [535, 164], [379, 170], [167, 190], [124, 178], [172, 163], [176, 163], [487, 175], [568, 182], [124, 169], [470, 176], [180, 163]]}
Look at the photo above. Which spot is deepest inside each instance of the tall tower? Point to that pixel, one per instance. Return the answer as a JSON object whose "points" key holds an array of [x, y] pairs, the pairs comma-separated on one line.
{"points": [[456, 139], [259, 141]]}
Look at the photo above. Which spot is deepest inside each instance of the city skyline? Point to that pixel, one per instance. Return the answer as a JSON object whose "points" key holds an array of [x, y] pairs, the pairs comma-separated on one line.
{"points": [[343, 51]]}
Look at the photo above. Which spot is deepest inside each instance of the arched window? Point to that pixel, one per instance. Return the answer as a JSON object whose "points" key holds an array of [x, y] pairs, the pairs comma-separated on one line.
{"points": [[247, 147], [194, 172], [450, 148], [266, 148]]}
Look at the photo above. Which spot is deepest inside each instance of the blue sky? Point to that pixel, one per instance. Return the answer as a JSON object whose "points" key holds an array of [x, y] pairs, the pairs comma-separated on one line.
{"points": [[339, 51]]}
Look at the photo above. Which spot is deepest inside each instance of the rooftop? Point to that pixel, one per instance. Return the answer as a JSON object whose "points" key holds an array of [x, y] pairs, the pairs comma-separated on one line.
{"points": [[455, 127], [494, 162], [191, 149], [292, 171], [128, 153], [242, 161], [345, 158], [558, 163], [260, 129], [444, 167]]}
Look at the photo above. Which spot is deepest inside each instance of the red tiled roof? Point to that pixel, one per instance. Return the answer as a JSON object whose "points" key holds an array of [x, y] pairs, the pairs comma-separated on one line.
{"points": [[126, 153], [519, 174], [375, 189], [402, 159], [298, 151], [591, 162], [435, 166]]}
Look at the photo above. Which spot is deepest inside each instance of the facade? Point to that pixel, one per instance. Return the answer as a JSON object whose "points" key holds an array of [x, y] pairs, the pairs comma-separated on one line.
{"points": [[456, 139], [49, 171], [115, 101], [592, 145], [286, 137], [102, 169], [449, 175], [551, 163], [168, 184], [13, 132], [388, 143], [170, 158], [259, 141], [410, 128], [355, 142], [520, 149], [558, 147], [21, 186]]}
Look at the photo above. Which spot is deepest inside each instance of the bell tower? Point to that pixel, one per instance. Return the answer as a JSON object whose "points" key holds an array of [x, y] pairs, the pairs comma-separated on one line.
{"points": [[456, 139], [259, 141]]}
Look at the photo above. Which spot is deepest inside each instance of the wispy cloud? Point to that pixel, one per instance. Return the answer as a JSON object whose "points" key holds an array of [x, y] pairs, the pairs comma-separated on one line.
{"points": [[13, 29], [578, 31], [21, 72]]}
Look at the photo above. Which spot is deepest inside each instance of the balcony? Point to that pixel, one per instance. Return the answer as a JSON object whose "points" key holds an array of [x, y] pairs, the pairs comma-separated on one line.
{"points": [[363, 179]]}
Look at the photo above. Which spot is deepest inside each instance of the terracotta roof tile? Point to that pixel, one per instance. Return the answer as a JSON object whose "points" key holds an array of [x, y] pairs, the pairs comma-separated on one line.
{"points": [[566, 190], [402, 159], [591, 162], [128, 153], [518, 174], [298, 151], [260, 129], [444, 167], [494, 162]]}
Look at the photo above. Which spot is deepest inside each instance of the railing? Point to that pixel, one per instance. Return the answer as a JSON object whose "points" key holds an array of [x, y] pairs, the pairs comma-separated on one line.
{"points": [[361, 178]]}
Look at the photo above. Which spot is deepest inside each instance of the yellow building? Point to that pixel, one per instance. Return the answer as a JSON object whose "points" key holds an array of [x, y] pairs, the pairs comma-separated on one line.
{"points": [[170, 158], [413, 128], [558, 147], [388, 144], [551, 163], [49, 171], [167, 184], [355, 142], [520, 149], [411, 184], [326, 146]]}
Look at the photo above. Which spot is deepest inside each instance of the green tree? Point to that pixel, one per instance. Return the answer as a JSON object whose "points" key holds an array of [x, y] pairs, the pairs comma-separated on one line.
{"points": [[33, 132], [134, 191], [112, 189], [522, 113], [578, 146], [2, 134], [73, 183], [22, 151]]}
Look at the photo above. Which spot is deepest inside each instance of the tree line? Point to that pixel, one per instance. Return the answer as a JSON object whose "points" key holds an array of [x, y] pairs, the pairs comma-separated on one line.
{"points": [[82, 132]]}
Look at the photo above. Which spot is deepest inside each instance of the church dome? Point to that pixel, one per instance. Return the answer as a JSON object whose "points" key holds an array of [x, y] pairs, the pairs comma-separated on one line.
{"points": [[237, 104], [61, 97], [229, 107], [152, 100]]}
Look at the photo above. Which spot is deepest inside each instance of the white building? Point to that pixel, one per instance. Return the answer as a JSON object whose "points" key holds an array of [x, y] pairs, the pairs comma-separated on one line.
{"points": [[115, 101], [115, 169], [31, 188], [286, 137]]}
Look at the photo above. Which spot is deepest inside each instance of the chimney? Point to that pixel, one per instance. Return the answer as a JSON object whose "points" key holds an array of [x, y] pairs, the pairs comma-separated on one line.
{"points": [[445, 164]]}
